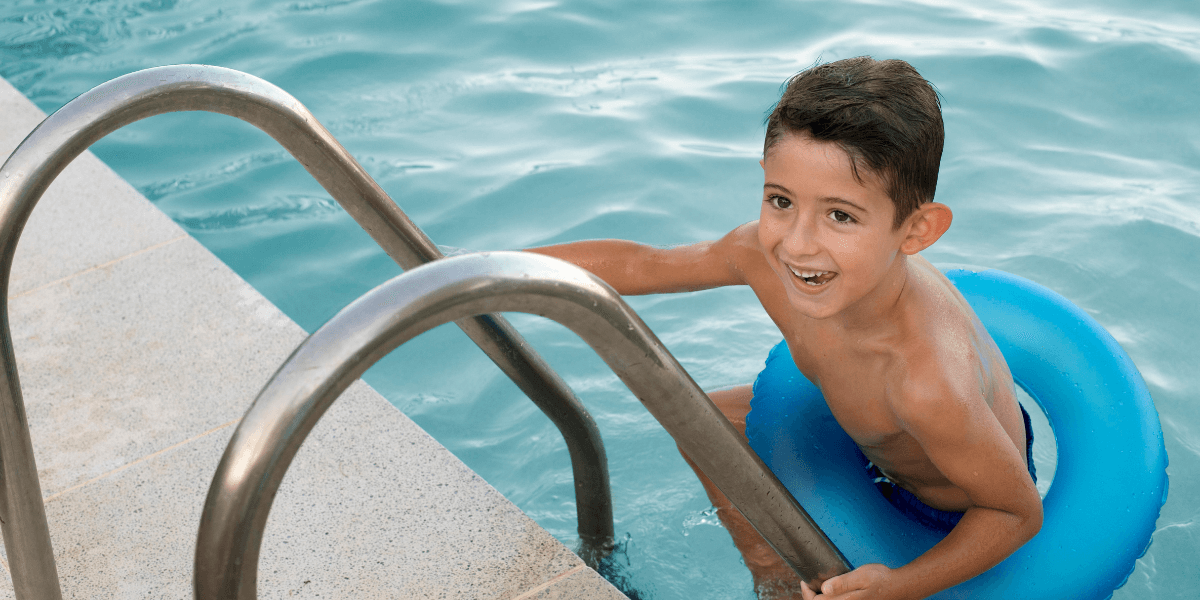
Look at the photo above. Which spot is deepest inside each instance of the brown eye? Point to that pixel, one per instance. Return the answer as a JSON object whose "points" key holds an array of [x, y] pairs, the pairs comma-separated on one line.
{"points": [[780, 202], [841, 217]]}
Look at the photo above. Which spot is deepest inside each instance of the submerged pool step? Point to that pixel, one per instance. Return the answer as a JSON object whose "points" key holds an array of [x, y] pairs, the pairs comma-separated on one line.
{"points": [[139, 350]]}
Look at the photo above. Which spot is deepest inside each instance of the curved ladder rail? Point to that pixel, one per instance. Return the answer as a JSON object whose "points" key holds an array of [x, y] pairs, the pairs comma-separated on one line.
{"points": [[108, 107], [306, 385]]}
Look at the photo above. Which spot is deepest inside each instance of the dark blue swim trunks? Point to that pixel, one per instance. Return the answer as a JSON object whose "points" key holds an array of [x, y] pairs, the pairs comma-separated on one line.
{"points": [[913, 508]]}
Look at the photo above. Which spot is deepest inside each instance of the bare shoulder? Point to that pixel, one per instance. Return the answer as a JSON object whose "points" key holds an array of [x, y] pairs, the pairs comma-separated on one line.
{"points": [[928, 390], [939, 355], [741, 250]]}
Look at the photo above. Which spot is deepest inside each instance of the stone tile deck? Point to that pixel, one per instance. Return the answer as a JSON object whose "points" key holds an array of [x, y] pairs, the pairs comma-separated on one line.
{"points": [[138, 352]]}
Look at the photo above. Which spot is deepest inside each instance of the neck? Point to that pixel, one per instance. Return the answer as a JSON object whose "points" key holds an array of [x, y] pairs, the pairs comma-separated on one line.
{"points": [[878, 311]]}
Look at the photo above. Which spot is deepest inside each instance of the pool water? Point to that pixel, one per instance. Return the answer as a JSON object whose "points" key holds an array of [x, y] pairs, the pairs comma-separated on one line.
{"points": [[1071, 159]]}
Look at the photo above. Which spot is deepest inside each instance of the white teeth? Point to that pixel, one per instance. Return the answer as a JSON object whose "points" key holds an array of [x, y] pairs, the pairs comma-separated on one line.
{"points": [[808, 276]]}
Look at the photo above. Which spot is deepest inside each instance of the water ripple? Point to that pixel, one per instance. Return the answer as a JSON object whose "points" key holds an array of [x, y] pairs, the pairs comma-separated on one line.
{"points": [[1092, 24], [288, 208], [219, 175]]}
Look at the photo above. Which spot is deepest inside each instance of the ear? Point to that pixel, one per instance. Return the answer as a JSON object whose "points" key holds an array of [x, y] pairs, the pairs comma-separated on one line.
{"points": [[925, 226]]}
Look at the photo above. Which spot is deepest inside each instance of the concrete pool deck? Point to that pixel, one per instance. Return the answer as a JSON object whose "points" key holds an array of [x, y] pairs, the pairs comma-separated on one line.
{"points": [[139, 351]]}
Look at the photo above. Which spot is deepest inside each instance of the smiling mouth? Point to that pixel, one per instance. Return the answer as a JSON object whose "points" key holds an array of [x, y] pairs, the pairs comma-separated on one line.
{"points": [[813, 278]]}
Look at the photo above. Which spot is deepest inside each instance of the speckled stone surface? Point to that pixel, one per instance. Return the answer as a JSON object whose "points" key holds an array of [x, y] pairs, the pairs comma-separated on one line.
{"points": [[580, 583], [125, 360], [371, 508], [138, 351]]}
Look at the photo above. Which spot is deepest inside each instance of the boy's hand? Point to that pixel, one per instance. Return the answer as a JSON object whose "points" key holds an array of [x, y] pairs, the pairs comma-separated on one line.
{"points": [[875, 582]]}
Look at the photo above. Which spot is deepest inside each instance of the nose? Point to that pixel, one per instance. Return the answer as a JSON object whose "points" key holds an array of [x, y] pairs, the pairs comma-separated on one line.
{"points": [[800, 240]]}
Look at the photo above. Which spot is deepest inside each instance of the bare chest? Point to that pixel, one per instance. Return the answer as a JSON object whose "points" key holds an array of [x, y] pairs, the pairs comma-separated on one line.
{"points": [[858, 396], [854, 387]]}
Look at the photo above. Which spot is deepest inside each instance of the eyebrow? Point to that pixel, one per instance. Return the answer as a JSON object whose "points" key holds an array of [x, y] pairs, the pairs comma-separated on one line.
{"points": [[829, 199], [837, 200]]}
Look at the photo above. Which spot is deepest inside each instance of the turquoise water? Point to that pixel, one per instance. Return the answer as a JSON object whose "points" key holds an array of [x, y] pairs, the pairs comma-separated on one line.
{"points": [[1071, 159]]}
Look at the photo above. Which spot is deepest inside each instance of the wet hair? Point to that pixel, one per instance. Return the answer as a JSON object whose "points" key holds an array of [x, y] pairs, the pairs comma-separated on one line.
{"points": [[883, 114]]}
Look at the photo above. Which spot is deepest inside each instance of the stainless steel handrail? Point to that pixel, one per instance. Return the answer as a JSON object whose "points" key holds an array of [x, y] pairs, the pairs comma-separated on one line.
{"points": [[108, 107], [268, 437]]}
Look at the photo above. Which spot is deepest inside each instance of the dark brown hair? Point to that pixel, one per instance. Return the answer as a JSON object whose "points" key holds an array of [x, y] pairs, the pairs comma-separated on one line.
{"points": [[882, 113]]}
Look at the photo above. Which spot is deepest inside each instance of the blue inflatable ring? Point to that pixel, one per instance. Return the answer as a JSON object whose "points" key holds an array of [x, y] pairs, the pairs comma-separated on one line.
{"points": [[1110, 481]]}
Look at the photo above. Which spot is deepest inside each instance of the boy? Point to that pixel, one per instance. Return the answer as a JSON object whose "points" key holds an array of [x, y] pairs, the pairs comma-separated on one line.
{"points": [[850, 162]]}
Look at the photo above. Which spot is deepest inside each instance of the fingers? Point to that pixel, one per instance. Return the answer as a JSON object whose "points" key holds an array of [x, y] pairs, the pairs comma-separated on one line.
{"points": [[863, 582], [807, 592], [836, 585], [843, 584]]}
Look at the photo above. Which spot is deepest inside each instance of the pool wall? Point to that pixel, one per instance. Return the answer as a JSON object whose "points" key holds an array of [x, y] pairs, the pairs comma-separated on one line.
{"points": [[138, 352]]}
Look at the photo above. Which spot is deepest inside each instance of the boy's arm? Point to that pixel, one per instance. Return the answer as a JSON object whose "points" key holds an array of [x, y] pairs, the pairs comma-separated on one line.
{"points": [[633, 269], [968, 445]]}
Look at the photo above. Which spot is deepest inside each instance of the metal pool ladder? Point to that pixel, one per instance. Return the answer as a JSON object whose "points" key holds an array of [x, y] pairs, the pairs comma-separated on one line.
{"points": [[226, 557]]}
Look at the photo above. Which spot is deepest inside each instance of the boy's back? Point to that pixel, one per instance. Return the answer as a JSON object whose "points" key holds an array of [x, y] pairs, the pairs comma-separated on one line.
{"points": [[905, 366]]}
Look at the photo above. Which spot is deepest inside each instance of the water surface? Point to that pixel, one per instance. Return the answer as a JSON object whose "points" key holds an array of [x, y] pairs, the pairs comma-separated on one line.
{"points": [[1071, 158]]}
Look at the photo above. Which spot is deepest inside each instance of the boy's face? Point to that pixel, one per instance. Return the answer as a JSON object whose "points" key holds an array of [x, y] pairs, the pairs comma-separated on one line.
{"points": [[828, 237]]}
